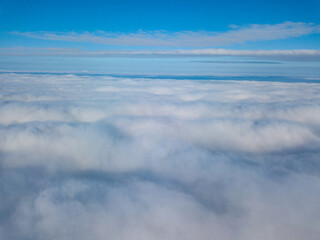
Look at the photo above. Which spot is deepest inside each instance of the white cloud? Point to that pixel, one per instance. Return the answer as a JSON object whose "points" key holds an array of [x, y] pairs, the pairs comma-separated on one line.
{"points": [[95, 156], [253, 32]]}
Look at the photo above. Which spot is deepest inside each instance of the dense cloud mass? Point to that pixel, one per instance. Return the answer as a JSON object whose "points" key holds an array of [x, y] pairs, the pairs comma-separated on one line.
{"points": [[100, 157]]}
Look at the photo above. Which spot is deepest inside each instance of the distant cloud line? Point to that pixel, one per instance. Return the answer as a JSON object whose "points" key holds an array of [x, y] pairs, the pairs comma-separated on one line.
{"points": [[304, 54]]}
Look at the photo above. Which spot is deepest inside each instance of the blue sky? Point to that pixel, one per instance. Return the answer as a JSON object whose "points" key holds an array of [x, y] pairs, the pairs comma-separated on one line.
{"points": [[130, 16], [285, 30]]}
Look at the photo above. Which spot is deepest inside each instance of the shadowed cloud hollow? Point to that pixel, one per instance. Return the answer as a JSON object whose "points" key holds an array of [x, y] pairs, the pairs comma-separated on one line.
{"points": [[101, 157]]}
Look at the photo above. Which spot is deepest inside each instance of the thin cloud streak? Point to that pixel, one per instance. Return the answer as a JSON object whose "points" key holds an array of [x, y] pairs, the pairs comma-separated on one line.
{"points": [[303, 54], [250, 33]]}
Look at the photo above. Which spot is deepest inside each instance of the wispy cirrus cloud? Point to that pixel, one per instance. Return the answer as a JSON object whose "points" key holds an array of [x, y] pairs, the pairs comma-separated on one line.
{"points": [[250, 33]]}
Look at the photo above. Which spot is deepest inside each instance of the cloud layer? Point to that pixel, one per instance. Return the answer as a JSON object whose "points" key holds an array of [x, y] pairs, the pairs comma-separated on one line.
{"points": [[250, 33], [96, 157], [184, 43]]}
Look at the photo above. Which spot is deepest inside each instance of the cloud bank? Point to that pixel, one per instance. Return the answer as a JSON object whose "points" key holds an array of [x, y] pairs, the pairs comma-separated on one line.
{"points": [[250, 33], [99, 157]]}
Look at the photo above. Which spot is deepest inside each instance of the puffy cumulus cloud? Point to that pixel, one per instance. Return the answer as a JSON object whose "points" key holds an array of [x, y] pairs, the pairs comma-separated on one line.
{"points": [[96, 157]]}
